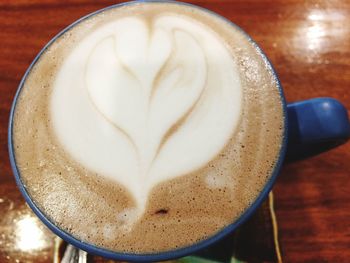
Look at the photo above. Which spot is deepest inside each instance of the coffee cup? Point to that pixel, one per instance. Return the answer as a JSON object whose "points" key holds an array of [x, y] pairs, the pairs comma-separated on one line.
{"points": [[147, 131]]}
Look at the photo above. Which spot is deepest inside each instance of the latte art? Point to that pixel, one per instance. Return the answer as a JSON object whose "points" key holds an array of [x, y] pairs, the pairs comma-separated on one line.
{"points": [[147, 101], [147, 127]]}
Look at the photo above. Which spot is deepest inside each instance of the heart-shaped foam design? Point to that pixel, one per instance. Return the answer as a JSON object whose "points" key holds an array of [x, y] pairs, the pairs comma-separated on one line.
{"points": [[142, 102]]}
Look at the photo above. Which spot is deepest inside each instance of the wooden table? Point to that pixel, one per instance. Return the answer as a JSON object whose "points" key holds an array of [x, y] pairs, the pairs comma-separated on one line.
{"points": [[309, 44]]}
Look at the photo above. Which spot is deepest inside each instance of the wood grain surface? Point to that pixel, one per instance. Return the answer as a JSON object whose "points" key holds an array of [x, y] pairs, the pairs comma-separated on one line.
{"points": [[309, 44]]}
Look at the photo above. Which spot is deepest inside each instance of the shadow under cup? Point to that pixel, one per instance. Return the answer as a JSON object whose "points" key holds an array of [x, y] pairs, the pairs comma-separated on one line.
{"points": [[168, 254]]}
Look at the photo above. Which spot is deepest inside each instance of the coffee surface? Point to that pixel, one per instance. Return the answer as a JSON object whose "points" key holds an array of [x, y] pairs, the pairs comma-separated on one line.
{"points": [[147, 127]]}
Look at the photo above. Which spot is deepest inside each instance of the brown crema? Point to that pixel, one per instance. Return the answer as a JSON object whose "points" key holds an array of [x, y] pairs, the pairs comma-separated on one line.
{"points": [[179, 212]]}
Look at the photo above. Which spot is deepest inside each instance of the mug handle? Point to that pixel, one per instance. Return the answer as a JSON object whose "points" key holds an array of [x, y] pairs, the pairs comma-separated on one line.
{"points": [[315, 126]]}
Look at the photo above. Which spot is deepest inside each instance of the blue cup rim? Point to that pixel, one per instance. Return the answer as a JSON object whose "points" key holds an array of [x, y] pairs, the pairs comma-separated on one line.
{"points": [[164, 255]]}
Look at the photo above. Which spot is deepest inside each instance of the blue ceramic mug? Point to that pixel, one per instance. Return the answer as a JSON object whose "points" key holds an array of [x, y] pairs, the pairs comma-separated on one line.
{"points": [[311, 126]]}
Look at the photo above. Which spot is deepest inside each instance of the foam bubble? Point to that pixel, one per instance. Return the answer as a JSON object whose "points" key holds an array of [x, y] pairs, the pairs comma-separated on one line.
{"points": [[127, 218], [215, 180], [109, 231]]}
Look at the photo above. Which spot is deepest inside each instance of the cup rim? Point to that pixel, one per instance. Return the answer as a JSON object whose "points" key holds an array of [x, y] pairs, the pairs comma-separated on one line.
{"points": [[163, 255]]}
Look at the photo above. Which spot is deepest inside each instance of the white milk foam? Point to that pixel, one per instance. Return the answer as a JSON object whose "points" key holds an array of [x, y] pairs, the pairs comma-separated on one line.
{"points": [[142, 102]]}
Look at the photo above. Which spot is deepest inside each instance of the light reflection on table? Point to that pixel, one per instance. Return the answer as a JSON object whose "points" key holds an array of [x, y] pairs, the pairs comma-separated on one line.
{"points": [[320, 32], [28, 235], [23, 236]]}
